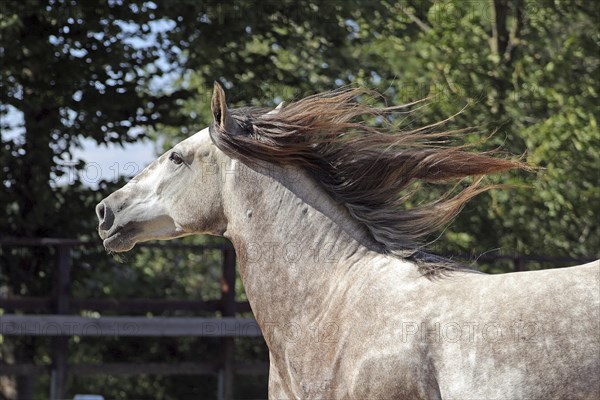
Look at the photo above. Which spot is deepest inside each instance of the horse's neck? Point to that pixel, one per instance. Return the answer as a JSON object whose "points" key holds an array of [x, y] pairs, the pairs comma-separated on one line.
{"points": [[293, 241]]}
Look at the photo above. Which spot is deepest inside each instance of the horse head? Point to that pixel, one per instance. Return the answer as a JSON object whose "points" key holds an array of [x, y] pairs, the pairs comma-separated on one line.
{"points": [[179, 194]]}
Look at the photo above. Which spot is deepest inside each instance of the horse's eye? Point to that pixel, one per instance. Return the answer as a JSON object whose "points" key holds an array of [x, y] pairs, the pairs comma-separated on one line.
{"points": [[175, 158]]}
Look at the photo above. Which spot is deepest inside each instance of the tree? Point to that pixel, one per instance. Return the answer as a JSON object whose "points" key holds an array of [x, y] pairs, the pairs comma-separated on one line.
{"points": [[512, 64]]}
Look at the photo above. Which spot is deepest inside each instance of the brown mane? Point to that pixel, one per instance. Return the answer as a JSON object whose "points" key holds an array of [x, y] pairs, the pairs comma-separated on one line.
{"points": [[367, 168]]}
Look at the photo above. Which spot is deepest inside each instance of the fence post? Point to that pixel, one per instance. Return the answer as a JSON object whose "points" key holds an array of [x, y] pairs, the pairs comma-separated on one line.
{"points": [[226, 375], [519, 264], [60, 344]]}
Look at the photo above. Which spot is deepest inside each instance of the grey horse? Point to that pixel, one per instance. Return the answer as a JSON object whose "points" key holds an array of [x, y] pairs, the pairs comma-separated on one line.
{"points": [[349, 303]]}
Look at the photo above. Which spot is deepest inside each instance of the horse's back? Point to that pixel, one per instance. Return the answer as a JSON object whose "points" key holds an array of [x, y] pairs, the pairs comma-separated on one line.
{"points": [[533, 334]]}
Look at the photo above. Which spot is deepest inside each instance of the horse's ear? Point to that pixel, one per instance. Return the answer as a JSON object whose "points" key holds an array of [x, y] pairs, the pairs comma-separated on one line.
{"points": [[218, 106], [276, 109]]}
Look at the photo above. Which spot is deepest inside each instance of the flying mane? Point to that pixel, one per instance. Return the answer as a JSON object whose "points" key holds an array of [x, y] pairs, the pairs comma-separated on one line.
{"points": [[367, 168]]}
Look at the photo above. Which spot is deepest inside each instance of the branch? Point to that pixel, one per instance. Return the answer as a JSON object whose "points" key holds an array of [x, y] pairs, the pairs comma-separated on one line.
{"points": [[422, 25], [515, 33], [499, 38]]}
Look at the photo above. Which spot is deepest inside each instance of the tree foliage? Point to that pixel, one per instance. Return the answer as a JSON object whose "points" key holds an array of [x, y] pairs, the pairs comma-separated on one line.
{"points": [[512, 64]]}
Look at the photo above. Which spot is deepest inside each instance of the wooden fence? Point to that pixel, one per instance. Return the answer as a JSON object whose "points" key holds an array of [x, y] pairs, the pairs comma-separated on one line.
{"points": [[53, 316]]}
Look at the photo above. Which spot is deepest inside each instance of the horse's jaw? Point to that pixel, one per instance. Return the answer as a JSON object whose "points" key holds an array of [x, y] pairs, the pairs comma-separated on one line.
{"points": [[119, 241]]}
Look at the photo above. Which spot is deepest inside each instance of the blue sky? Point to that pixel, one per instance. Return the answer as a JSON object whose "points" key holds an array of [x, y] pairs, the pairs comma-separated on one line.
{"points": [[102, 161], [110, 161]]}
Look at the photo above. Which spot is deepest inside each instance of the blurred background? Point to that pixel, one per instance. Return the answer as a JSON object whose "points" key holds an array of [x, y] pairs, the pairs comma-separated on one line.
{"points": [[92, 91]]}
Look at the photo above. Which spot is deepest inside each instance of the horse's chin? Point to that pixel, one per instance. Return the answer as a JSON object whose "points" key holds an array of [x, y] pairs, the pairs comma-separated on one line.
{"points": [[119, 242], [125, 238]]}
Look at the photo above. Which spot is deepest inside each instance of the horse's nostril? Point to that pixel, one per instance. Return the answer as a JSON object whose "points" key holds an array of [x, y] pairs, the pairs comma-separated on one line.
{"points": [[105, 216], [100, 212]]}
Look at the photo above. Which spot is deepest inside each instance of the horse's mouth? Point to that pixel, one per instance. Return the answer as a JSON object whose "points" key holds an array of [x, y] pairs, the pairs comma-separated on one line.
{"points": [[119, 240]]}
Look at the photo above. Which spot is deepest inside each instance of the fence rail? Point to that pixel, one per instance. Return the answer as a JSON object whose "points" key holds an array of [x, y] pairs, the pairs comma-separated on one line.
{"points": [[71, 325], [181, 368], [45, 305]]}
